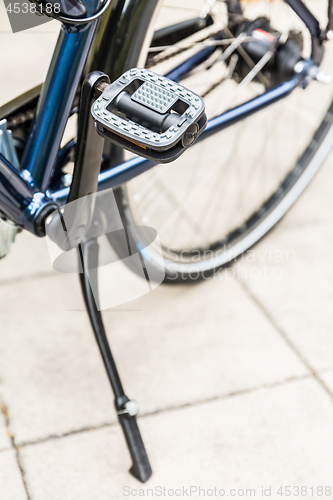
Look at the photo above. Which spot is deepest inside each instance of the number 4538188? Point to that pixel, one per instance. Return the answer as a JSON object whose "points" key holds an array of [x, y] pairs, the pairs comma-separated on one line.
{"points": [[32, 8], [303, 491]]}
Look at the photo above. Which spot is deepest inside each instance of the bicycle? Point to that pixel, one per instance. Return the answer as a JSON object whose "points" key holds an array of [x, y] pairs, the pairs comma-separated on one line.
{"points": [[256, 54]]}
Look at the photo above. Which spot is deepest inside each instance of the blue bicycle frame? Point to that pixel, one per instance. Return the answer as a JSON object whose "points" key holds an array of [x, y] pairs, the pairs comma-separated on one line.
{"points": [[26, 197]]}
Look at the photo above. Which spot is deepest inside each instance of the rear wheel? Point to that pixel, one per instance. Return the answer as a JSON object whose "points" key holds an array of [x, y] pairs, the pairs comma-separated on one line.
{"points": [[228, 191]]}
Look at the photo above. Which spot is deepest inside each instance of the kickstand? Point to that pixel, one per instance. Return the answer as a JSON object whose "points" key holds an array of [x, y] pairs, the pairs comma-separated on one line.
{"points": [[126, 409]]}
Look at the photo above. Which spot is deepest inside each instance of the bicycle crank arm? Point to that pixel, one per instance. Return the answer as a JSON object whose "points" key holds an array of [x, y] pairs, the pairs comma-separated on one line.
{"points": [[75, 217], [149, 115]]}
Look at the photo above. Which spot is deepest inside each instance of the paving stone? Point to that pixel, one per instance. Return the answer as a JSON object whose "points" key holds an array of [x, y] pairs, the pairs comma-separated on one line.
{"points": [[4, 438], [327, 377], [174, 346], [290, 273], [271, 438], [28, 257], [11, 484]]}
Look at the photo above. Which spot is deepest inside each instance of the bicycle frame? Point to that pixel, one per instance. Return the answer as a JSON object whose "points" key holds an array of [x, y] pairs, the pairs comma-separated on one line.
{"points": [[27, 197]]}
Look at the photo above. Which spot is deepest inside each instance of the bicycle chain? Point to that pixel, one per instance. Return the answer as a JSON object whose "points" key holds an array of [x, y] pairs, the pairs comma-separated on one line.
{"points": [[21, 118]]}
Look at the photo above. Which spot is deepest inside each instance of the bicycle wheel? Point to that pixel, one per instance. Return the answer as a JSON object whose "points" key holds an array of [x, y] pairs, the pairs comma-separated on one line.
{"points": [[226, 192]]}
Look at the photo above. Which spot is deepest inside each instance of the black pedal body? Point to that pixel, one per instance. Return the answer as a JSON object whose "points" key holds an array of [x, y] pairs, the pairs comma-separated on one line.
{"points": [[149, 115]]}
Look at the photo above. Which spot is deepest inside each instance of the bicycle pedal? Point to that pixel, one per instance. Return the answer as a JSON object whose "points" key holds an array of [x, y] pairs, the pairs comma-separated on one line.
{"points": [[149, 115]]}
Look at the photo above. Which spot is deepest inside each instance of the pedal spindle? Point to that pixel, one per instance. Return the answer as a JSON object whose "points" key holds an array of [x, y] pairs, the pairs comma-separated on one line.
{"points": [[149, 115]]}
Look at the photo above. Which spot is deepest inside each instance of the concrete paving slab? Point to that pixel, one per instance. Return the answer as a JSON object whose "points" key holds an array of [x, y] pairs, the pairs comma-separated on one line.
{"points": [[52, 357], [4, 437], [327, 378], [11, 484], [174, 346], [28, 257], [290, 274], [242, 442]]}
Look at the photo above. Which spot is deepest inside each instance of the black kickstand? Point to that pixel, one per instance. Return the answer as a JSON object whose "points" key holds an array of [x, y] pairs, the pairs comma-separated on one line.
{"points": [[126, 409], [74, 224]]}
